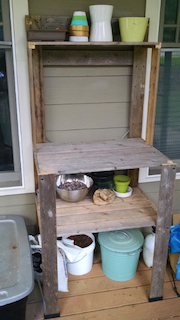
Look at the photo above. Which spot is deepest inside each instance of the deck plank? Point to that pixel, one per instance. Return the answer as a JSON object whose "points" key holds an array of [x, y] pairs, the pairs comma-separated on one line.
{"points": [[97, 297]]}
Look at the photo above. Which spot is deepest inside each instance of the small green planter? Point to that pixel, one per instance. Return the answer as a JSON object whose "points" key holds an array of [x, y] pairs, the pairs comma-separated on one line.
{"points": [[133, 29], [121, 183]]}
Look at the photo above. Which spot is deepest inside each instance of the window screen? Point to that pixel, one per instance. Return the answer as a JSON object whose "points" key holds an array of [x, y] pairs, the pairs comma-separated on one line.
{"points": [[167, 123]]}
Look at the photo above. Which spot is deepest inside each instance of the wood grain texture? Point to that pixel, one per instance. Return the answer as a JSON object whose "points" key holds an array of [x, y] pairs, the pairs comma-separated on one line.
{"points": [[49, 242], [137, 93], [91, 58], [97, 158], [164, 220], [155, 61], [83, 216], [38, 95], [32, 102], [108, 300], [95, 45], [137, 101]]}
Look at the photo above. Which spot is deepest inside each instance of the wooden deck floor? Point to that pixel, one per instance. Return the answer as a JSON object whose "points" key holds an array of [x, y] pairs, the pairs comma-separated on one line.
{"points": [[94, 296]]}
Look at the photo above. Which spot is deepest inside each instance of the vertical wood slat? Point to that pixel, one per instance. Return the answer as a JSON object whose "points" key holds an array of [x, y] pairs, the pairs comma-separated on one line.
{"points": [[137, 101], [164, 219], [31, 89], [47, 192], [137, 96], [38, 94], [155, 60]]}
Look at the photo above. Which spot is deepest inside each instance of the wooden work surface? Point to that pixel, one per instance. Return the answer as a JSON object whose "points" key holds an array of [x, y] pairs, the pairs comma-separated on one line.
{"points": [[133, 212], [96, 156]]}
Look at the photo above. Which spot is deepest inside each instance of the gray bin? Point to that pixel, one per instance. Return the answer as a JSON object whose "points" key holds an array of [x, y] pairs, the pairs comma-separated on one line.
{"points": [[16, 270]]}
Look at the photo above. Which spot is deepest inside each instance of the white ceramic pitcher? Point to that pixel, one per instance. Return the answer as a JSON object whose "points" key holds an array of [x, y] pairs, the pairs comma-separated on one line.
{"points": [[101, 23]]}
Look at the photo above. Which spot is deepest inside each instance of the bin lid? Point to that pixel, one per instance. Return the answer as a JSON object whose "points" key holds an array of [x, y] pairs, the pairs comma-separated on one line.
{"points": [[121, 240]]}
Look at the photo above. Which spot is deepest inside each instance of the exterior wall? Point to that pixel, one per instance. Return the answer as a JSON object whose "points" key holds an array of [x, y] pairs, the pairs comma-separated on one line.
{"points": [[67, 7], [83, 104], [23, 205], [151, 190]]}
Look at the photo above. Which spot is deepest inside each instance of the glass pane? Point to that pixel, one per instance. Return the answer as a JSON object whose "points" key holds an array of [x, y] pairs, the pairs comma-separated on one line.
{"points": [[169, 34], [1, 34], [0, 12], [171, 9], [167, 123], [6, 154]]}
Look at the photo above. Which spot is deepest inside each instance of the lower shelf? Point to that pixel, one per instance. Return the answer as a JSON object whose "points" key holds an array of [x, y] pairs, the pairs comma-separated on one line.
{"points": [[133, 212]]}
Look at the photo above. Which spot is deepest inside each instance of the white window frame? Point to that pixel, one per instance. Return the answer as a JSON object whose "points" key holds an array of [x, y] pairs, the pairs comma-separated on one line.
{"points": [[18, 10], [153, 8]]}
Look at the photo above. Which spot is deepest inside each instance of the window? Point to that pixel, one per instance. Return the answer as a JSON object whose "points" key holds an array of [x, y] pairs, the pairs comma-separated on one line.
{"points": [[10, 173], [167, 121]]}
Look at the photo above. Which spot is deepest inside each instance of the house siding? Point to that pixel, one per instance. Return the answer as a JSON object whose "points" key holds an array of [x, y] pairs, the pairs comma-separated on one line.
{"points": [[151, 190]]}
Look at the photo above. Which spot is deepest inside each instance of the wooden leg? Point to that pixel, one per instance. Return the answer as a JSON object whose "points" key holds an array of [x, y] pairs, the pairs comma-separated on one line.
{"points": [[47, 192], [164, 220]]}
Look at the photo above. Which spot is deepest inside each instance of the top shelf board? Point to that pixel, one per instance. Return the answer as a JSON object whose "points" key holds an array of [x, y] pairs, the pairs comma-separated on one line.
{"points": [[97, 156], [94, 45]]}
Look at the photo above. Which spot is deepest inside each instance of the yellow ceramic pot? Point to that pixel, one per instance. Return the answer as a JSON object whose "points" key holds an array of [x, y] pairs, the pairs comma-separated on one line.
{"points": [[133, 29]]}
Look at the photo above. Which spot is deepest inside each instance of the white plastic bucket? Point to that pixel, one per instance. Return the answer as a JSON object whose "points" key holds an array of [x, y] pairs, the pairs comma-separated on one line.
{"points": [[84, 261]]}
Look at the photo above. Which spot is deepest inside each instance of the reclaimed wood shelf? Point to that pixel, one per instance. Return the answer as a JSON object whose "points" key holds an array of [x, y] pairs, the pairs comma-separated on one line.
{"points": [[84, 216], [95, 44], [96, 156], [57, 217]]}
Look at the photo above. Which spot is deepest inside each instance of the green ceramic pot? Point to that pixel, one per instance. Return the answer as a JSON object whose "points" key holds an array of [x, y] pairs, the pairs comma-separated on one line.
{"points": [[133, 29], [121, 183]]}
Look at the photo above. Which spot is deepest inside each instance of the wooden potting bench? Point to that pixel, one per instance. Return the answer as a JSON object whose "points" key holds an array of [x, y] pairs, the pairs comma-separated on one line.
{"points": [[57, 217]]}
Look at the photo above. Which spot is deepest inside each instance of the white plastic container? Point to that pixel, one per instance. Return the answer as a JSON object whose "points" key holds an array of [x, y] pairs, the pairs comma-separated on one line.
{"points": [[84, 261], [148, 249]]}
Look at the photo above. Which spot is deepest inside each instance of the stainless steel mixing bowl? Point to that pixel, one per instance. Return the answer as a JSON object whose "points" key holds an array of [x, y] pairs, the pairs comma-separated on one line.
{"points": [[74, 195]]}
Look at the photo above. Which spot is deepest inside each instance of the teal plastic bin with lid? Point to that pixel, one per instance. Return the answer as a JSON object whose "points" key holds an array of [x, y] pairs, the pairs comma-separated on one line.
{"points": [[120, 252]]}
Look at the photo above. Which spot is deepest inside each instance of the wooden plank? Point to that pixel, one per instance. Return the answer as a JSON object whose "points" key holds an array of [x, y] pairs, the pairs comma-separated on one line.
{"points": [[136, 195], [49, 243], [137, 101], [48, 35], [125, 223], [119, 206], [38, 96], [155, 60], [164, 310], [32, 102], [108, 145], [164, 219], [108, 300], [94, 161], [137, 95], [91, 58], [98, 44], [93, 285]]}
